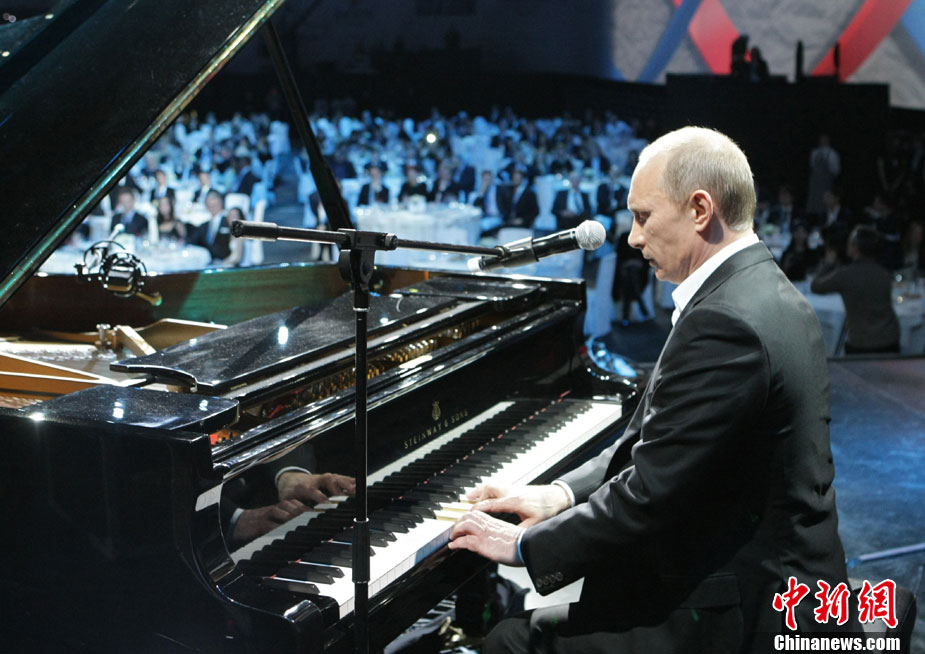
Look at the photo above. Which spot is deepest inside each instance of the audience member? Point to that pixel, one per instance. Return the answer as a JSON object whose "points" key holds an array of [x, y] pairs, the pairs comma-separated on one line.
{"points": [[799, 259], [374, 191], [784, 212], [134, 222], [168, 225], [632, 277], [215, 233], [866, 289], [444, 189], [611, 194], [413, 185], [486, 198], [244, 178], [571, 206], [161, 189], [205, 185], [824, 168], [517, 203]]}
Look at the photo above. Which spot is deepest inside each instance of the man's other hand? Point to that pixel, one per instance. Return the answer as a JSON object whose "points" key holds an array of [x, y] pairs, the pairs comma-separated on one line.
{"points": [[492, 538], [532, 504]]}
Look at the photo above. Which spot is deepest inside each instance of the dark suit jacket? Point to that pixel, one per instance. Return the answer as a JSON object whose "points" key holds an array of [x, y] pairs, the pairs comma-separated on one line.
{"points": [[381, 196], [246, 183], [560, 205], [220, 247], [523, 213], [727, 490], [135, 223]]}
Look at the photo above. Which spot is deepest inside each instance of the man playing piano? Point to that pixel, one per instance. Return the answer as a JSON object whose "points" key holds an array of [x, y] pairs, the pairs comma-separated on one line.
{"points": [[726, 494]]}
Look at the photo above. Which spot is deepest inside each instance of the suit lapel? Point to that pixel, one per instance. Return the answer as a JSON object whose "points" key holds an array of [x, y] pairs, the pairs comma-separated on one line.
{"points": [[750, 256]]}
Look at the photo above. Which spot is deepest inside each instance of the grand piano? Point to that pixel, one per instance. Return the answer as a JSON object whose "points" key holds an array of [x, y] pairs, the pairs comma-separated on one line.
{"points": [[132, 430]]}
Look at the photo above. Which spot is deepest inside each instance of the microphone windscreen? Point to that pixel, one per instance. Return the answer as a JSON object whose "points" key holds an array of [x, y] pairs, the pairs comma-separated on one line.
{"points": [[590, 235]]}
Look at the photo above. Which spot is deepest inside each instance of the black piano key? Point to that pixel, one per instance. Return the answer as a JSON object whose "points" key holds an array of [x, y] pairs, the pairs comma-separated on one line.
{"points": [[307, 572], [301, 587]]}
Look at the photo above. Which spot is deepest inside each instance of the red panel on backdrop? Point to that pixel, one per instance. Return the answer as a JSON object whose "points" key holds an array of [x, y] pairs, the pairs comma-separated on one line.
{"points": [[713, 32], [874, 20]]}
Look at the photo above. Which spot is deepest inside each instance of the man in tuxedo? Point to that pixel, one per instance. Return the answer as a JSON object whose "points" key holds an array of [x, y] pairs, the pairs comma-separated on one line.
{"points": [[571, 206], [244, 179], [215, 233], [134, 222], [720, 489], [518, 204], [785, 211]]}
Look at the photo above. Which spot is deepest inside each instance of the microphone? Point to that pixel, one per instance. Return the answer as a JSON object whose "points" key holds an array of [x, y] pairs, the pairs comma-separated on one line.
{"points": [[118, 229], [589, 235]]}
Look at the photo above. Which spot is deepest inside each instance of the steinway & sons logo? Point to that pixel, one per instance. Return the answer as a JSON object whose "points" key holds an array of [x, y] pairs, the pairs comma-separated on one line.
{"points": [[442, 422]]}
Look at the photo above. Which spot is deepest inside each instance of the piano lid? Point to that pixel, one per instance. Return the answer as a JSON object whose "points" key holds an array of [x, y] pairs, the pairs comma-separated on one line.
{"points": [[83, 98], [226, 358]]}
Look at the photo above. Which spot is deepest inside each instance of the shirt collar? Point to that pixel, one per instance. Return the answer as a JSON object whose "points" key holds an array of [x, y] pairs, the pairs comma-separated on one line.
{"points": [[685, 291]]}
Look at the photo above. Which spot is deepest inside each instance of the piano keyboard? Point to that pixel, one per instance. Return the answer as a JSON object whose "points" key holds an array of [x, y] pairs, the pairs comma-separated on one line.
{"points": [[414, 501]]}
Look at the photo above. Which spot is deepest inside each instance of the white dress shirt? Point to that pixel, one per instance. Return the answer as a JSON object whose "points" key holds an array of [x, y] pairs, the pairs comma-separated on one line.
{"points": [[686, 289]]}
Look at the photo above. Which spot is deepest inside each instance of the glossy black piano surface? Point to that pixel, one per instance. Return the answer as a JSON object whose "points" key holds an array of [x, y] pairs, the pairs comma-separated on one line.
{"points": [[121, 469]]}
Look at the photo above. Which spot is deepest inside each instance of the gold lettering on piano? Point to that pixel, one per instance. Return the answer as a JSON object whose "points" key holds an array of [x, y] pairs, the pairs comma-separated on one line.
{"points": [[435, 410], [437, 428]]}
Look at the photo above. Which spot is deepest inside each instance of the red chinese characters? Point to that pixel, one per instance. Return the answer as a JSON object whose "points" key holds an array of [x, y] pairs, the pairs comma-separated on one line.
{"points": [[878, 602], [789, 600], [833, 602]]}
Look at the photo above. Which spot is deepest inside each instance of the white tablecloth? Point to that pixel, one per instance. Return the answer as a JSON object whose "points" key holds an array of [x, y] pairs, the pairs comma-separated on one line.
{"points": [[453, 223], [157, 258]]}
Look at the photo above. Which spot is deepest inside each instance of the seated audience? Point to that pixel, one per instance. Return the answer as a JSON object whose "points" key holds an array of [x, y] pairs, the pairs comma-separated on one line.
{"points": [[486, 197], [571, 206], [134, 222], [215, 233], [244, 178], [785, 211], [517, 203], [444, 189], [632, 277], [799, 260], [374, 191], [168, 225], [413, 185], [161, 188], [866, 289], [205, 185]]}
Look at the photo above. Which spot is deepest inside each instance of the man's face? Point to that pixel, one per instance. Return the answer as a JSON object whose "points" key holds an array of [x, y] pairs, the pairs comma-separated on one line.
{"points": [[213, 204], [126, 201], [663, 231]]}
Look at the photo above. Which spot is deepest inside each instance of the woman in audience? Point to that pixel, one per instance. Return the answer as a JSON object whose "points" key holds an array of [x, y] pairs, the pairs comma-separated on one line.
{"points": [[168, 225], [799, 259]]}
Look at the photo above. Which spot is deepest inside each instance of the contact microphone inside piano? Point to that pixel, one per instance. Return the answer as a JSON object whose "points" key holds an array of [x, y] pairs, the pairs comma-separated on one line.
{"points": [[589, 235]]}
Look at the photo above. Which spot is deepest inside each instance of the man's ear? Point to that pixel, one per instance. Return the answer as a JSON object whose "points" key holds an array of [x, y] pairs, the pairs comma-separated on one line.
{"points": [[702, 209]]}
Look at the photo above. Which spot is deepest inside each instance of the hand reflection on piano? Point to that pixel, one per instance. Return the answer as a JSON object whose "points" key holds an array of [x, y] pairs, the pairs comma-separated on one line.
{"points": [[496, 539], [256, 522], [298, 491], [314, 489]]}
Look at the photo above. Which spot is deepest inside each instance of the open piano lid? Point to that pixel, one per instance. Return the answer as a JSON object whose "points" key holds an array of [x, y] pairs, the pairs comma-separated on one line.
{"points": [[84, 99]]}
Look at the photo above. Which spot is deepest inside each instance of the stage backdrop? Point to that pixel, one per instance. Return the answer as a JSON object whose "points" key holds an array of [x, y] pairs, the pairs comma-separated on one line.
{"points": [[633, 40]]}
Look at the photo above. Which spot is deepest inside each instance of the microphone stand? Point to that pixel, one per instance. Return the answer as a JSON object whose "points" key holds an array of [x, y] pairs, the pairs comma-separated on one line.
{"points": [[357, 260]]}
